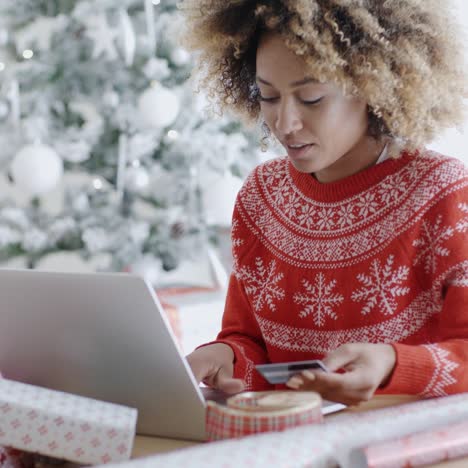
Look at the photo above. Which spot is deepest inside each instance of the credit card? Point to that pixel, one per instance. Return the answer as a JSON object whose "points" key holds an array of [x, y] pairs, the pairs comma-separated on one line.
{"points": [[281, 372]]}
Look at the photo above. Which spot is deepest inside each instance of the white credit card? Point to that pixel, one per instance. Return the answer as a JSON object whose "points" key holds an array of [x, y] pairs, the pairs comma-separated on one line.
{"points": [[281, 372]]}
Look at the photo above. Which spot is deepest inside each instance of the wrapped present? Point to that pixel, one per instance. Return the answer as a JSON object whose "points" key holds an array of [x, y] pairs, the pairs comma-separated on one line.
{"points": [[64, 426], [317, 445], [255, 412], [420, 449]]}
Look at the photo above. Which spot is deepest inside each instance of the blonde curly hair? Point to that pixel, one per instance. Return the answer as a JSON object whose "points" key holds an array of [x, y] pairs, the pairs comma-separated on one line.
{"points": [[403, 57]]}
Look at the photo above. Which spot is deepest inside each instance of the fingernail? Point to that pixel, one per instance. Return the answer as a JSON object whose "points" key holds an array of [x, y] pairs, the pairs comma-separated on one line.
{"points": [[308, 375], [293, 383]]}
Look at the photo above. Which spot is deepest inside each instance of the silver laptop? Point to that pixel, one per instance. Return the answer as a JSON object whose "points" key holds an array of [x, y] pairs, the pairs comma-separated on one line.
{"points": [[104, 336]]}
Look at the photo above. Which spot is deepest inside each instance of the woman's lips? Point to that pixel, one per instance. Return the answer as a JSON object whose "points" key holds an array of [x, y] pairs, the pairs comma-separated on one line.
{"points": [[298, 153]]}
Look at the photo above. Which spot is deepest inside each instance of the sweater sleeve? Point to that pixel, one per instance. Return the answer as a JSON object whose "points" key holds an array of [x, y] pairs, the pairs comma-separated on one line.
{"points": [[240, 329], [441, 368]]}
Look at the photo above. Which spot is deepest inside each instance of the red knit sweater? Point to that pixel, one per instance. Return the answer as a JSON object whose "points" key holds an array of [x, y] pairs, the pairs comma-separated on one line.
{"points": [[380, 257]]}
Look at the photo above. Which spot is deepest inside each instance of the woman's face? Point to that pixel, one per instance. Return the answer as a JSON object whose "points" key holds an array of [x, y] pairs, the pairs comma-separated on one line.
{"points": [[323, 131]]}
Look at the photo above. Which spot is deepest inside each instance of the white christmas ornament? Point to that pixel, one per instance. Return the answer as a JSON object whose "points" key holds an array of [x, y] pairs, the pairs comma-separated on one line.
{"points": [[180, 56], [103, 37], [147, 267], [158, 107], [37, 169], [219, 198], [136, 179]]}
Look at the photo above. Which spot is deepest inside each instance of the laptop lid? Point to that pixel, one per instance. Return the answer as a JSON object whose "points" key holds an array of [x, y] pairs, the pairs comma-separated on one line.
{"points": [[103, 336]]}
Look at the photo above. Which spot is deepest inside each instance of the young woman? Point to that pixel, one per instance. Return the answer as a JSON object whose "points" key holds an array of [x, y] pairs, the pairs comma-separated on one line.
{"points": [[353, 247]]}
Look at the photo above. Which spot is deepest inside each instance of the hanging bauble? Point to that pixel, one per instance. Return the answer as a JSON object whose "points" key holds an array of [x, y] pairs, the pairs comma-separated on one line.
{"points": [[180, 56], [37, 169], [147, 267], [158, 106], [136, 179], [219, 198]]}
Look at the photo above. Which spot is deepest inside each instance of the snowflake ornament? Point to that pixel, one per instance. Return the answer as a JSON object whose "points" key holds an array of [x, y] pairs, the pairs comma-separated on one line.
{"points": [[381, 287], [318, 299], [261, 284], [103, 37]]}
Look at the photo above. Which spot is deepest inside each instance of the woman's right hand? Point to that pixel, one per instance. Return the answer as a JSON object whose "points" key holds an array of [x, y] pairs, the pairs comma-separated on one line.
{"points": [[214, 366]]}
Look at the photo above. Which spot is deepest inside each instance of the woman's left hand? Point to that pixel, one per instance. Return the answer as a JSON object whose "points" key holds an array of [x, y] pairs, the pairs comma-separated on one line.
{"points": [[366, 367]]}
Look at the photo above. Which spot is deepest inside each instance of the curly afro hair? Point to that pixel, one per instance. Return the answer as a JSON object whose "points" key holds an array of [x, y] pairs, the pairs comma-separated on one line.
{"points": [[403, 57]]}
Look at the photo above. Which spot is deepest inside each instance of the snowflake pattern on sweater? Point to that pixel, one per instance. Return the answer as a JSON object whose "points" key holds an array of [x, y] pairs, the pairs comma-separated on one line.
{"points": [[381, 287], [379, 257], [318, 299]]}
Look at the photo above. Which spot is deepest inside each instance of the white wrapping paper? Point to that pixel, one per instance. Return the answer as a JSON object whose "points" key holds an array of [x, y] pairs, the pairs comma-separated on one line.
{"points": [[317, 446], [64, 426]]}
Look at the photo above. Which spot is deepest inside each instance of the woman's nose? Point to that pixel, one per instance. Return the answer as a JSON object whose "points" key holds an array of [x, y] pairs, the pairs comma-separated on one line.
{"points": [[288, 119]]}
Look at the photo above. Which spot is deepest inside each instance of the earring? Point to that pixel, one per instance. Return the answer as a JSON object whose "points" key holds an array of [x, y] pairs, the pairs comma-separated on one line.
{"points": [[264, 141]]}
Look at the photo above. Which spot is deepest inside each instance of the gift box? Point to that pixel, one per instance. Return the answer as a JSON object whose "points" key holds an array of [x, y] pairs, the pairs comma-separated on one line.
{"points": [[64, 426]]}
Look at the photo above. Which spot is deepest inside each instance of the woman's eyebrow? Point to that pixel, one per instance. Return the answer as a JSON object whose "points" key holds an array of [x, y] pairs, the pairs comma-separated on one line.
{"points": [[294, 84]]}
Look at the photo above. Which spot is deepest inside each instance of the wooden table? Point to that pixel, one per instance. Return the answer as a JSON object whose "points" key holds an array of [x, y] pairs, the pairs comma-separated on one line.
{"points": [[145, 446]]}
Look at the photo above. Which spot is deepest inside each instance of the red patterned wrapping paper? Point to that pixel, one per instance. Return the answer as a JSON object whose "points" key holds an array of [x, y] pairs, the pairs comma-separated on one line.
{"points": [[64, 426], [420, 449], [243, 416]]}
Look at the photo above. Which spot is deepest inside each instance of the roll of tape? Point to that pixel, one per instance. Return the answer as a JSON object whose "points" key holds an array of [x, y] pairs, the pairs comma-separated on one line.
{"points": [[254, 412]]}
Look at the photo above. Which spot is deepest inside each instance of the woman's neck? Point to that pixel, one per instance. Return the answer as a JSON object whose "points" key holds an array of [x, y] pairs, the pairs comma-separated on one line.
{"points": [[365, 154]]}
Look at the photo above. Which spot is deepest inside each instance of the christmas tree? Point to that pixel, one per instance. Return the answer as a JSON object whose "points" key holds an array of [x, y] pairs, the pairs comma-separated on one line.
{"points": [[96, 96]]}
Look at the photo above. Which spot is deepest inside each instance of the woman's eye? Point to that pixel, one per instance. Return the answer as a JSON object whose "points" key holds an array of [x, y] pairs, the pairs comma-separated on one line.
{"points": [[311, 103], [267, 99], [306, 102]]}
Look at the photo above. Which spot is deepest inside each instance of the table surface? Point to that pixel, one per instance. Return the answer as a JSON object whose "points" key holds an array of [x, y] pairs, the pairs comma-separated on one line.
{"points": [[145, 446]]}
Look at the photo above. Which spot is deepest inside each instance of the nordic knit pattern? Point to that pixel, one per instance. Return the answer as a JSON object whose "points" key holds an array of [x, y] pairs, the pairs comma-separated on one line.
{"points": [[379, 257]]}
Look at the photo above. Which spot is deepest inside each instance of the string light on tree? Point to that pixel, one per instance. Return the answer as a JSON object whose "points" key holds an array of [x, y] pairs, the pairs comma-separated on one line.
{"points": [[28, 54], [98, 184], [172, 135]]}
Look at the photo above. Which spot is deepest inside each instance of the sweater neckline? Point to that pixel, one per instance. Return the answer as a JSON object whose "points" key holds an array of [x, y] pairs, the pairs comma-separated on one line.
{"points": [[349, 186]]}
